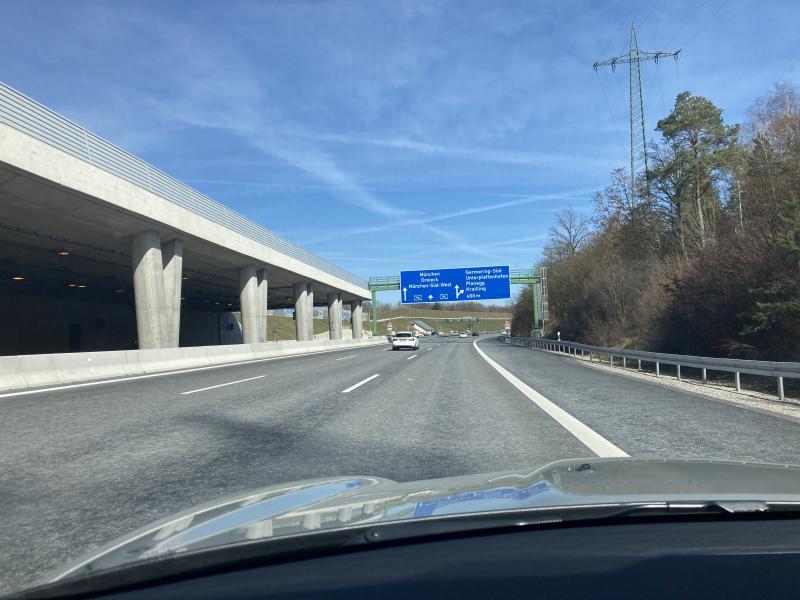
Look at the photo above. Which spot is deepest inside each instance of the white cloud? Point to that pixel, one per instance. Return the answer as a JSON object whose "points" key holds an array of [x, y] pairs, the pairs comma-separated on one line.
{"points": [[219, 88], [577, 195], [476, 153]]}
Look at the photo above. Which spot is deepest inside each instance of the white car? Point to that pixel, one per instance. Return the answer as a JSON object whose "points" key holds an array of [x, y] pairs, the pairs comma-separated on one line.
{"points": [[405, 339], [462, 334]]}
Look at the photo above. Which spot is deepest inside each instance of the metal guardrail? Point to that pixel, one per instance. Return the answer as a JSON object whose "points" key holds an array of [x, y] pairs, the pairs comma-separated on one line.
{"points": [[30, 117], [779, 370]]}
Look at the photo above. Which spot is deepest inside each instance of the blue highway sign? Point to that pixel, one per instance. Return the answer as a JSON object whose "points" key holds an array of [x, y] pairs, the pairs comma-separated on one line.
{"points": [[454, 285]]}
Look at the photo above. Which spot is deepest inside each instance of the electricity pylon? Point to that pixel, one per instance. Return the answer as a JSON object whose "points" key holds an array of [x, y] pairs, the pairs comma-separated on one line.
{"points": [[633, 58]]}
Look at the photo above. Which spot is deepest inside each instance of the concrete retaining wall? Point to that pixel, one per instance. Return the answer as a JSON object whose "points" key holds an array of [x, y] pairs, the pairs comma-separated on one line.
{"points": [[36, 370]]}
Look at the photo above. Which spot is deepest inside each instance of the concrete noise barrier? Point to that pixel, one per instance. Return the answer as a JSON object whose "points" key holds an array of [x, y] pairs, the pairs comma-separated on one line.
{"points": [[40, 370]]}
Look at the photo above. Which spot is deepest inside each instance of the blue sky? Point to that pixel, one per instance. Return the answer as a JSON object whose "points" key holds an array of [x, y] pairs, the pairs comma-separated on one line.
{"points": [[389, 135]]}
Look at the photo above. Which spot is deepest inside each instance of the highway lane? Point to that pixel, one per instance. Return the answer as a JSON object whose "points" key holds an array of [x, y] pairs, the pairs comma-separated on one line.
{"points": [[81, 466]]}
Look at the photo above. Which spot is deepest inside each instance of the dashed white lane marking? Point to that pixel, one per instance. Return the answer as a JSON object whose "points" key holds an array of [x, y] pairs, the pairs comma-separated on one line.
{"points": [[587, 436], [412, 356], [213, 387], [360, 383], [346, 357]]}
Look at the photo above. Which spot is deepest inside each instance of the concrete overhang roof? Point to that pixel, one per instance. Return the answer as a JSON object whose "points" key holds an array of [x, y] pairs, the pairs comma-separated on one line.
{"points": [[50, 199]]}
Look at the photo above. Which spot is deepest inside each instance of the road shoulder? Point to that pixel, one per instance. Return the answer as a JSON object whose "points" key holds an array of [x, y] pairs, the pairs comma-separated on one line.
{"points": [[760, 403]]}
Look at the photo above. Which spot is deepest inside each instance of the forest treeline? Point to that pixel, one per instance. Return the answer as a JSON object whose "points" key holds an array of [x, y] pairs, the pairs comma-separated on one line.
{"points": [[702, 256]]}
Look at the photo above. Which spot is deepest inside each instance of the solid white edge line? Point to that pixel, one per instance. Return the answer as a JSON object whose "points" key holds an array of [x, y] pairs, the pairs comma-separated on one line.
{"points": [[165, 373], [586, 435], [360, 383], [346, 357], [412, 356], [212, 387]]}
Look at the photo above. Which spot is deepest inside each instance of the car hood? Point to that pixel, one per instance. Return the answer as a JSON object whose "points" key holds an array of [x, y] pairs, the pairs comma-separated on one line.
{"points": [[310, 506]]}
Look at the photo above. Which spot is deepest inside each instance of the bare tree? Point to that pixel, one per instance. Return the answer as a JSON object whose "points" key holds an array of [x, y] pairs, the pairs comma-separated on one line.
{"points": [[569, 234]]}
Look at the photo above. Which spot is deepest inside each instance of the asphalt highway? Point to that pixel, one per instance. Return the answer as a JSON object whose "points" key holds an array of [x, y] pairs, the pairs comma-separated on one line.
{"points": [[82, 465]]}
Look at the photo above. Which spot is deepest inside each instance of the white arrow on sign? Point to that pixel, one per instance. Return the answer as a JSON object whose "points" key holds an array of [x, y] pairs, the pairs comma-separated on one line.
{"points": [[404, 294], [458, 292], [430, 297]]}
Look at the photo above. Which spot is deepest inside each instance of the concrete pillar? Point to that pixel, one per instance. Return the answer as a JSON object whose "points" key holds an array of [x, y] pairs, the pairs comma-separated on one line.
{"points": [[262, 300], [148, 289], [172, 258], [355, 319], [310, 318], [335, 315], [248, 299], [302, 317]]}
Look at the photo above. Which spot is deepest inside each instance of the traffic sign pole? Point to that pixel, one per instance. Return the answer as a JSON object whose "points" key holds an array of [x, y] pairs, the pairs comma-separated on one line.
{"points": [[373, 309]]}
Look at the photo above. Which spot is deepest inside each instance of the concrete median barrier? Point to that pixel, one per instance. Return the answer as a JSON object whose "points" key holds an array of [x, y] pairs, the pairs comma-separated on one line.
{"points": [[49, 369], [41, 370], [168, 359], [11, 371]]}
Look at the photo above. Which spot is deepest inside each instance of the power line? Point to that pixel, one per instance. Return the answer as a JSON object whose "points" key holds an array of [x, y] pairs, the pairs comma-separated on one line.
{"points": [[686, 22], [610, 111], [647, 16], [617, 32], [661, 93], [619, 91], [706, 22]]}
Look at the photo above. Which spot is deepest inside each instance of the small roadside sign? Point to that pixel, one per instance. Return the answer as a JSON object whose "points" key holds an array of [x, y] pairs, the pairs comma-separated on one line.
{"points": [[389, 326], [508, 325]]}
